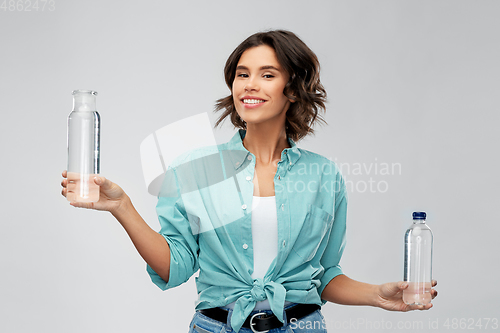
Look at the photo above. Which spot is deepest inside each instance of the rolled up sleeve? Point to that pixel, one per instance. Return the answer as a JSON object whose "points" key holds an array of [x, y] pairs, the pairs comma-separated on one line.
{"points": [[336, 243], [176, 230]]}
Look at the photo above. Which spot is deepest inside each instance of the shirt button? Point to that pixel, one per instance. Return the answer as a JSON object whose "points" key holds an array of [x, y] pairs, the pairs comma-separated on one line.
{"points": [[244, 206], [249, 178], [284, 243], [282, 206], [249, 157], [245, 246]]}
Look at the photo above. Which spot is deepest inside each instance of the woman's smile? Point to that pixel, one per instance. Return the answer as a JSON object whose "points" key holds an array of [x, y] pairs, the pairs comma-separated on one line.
{"points": [[252, 102]]}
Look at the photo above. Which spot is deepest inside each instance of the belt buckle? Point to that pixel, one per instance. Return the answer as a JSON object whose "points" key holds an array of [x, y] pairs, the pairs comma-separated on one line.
{"points": [[252, 324]]}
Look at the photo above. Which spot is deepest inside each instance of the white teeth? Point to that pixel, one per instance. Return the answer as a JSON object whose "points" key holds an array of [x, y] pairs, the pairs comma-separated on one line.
{"points": [[253, 101]]}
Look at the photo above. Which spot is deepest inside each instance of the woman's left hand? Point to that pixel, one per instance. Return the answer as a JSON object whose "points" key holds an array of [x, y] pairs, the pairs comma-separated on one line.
{"points": [[390, 297]]}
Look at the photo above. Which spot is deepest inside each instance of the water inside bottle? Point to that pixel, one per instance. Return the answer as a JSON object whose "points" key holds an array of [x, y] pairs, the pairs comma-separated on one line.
{"points": [[418, 293], [81, 188]]}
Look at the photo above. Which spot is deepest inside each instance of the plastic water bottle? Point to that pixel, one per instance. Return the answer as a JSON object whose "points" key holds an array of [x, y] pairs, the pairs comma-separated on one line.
{"points": [[83, 148], [418, 261]]}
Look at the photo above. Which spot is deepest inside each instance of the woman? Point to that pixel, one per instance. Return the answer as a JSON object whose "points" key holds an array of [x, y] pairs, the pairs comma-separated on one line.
{"points": [[262, 220]]}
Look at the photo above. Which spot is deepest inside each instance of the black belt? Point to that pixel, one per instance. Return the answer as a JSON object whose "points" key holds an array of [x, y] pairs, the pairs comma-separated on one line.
{"points": [[262, 322]]}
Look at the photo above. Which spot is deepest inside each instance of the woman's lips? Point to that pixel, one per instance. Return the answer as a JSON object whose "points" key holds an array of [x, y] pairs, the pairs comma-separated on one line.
{"points": [[252, 103]]}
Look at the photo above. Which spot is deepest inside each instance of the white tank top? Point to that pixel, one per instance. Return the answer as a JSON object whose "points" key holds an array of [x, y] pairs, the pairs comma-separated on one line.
{"points": [[265, 240]]}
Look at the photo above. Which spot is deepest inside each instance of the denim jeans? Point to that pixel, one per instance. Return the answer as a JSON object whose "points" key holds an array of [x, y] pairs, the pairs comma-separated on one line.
{"points": [[312, 323]]}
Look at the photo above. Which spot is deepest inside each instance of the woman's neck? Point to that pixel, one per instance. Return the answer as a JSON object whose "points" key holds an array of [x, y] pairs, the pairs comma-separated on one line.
{"points": [[266, 143]]}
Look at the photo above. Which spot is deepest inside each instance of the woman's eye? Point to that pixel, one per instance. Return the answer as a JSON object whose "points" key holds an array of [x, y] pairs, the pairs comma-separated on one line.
{"points": [[242, 75], [268, 76]]}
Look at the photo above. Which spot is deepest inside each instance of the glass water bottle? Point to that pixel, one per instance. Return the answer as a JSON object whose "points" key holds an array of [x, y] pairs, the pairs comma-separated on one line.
{"points": [[83, 148], [418, 261]]}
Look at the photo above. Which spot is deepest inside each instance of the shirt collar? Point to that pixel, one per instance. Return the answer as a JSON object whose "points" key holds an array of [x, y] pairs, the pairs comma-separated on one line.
{"points": [[291, 155]]}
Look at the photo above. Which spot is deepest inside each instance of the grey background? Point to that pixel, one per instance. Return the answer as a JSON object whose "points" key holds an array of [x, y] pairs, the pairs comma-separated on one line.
{"points": [[409, 82]]}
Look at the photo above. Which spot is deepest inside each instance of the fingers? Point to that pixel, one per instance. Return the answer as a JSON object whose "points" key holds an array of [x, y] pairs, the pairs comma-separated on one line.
{"points": [[99, 180], [434, 292], [64, 184], [415, 307], [87, 205], [419, 307], [403, 285], [103, 182]]}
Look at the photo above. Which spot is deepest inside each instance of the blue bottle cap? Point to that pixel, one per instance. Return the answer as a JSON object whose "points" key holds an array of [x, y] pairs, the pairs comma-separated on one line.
{"points": [[419, 215]]}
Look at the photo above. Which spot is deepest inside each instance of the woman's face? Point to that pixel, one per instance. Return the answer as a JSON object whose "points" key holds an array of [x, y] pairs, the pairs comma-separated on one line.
{"points": [[258, 87]]}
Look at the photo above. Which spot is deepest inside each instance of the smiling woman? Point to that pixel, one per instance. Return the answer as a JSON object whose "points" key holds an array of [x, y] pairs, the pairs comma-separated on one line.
{"points": [[266, 237], [281, 56], [258, 87]]}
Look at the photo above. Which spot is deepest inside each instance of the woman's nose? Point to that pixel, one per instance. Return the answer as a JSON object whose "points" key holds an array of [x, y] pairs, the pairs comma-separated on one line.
{"points": [[251, 84]]}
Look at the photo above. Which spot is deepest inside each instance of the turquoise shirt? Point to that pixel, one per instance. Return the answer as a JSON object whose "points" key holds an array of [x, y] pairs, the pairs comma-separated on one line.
{"points": [[204, 209]]}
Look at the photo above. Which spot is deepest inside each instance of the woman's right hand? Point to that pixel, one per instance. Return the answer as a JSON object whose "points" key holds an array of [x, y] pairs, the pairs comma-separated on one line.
{"points": [[111, 196]]}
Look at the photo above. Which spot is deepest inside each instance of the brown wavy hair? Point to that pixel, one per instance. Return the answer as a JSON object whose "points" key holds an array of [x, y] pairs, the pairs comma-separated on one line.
{"points": [[304, 86]]}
